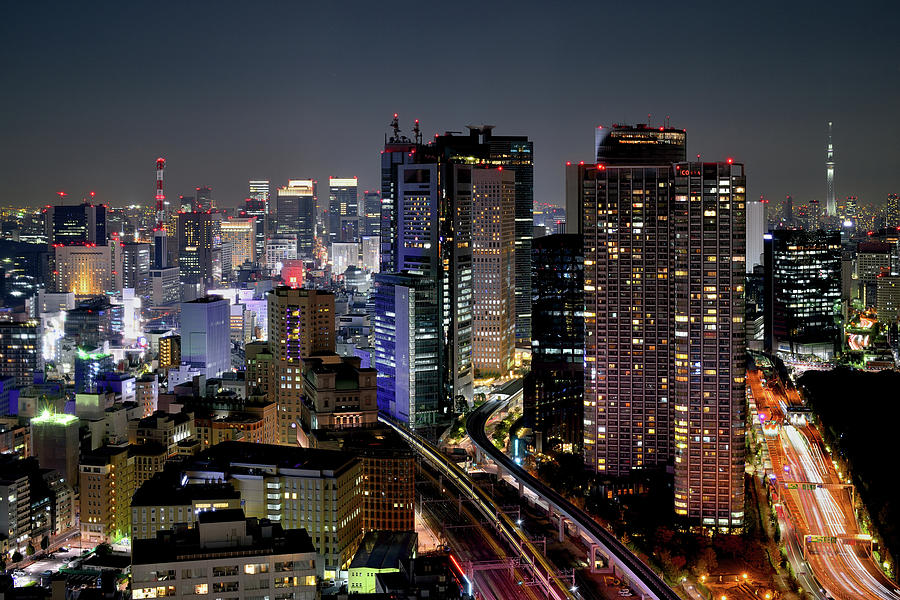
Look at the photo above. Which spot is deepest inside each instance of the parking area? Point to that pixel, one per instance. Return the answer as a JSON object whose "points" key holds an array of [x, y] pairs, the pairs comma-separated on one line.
{"points": [[31, 574]]}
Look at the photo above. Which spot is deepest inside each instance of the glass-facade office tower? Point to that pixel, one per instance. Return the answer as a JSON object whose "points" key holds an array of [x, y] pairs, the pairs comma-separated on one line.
{"points": [[802, 289], [83, 223], [259, 191], [205, 335], [408, 350], [371, 213], [257, 205], [708, 225], [343, 209], [554, 388], [295, 214], [516, 153], [493, 271], [199, 237], [136, 268]]}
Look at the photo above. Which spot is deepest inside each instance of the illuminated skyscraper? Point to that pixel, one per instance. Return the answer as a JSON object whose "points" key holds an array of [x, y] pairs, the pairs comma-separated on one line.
{"points": [[88, 269], [241, 233], [493, 271], [664, 331], [343, 209], [199, 237], [892, 211], [301, 323], [259, 191], [708, 224], [296, 215]]}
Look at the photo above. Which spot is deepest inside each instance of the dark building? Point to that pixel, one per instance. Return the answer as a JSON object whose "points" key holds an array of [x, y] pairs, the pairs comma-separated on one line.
{"points": [[554, 389], [90, 323], [75, 224], [205, 200], [372, 213], [802, 289]]}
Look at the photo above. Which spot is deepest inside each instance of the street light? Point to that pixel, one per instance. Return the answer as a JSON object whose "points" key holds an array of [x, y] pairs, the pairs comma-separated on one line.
{"points": [[744, 575]]}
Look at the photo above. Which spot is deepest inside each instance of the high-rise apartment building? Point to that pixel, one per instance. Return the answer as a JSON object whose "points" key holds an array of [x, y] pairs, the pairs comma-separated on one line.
{"points": [[802, 287], [205, 335], [300, 323], [199, 238], [88, 269], [493, 271], [295, 215], [553, 393], [887, 303], [21, 353], [892, 211], [240, 232], [343, 209], [664, 254], [708, 222], [83, 223]]}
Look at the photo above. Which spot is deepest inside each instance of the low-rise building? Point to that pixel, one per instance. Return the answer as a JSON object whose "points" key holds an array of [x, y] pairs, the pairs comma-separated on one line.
{"points": [[226, 555], [381, 552], [298, 487], [162, 503]]}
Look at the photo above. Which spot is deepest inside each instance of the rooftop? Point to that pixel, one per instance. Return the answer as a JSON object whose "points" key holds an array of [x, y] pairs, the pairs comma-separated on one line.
{"points": [[385, 549], [231, 455]]}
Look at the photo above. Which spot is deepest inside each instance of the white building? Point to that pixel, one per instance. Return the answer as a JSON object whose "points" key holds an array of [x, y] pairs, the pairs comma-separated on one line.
{"points": [[225, 556]]}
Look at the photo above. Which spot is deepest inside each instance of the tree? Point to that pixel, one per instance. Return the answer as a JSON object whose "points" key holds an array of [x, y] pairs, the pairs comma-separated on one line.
{"points": [[45, 543], [29, 550], [17, 556], [103, 549]]}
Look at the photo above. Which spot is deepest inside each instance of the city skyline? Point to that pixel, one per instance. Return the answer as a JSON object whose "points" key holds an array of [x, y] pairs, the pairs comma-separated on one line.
{"points": [[93, 107]]}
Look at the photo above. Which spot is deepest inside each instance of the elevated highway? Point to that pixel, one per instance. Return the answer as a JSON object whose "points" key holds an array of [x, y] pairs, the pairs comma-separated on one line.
{"points": [[544, 572], [641, 577]]}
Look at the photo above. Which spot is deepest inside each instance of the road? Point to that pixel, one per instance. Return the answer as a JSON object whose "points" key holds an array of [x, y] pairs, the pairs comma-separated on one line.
{"points": [[642, 576], [817, 502]]}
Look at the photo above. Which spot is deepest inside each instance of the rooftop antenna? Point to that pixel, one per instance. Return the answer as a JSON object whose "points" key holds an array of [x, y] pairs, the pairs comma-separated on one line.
{"points": [[667, 121], [417, 133], [648, 119], [395, 125]]}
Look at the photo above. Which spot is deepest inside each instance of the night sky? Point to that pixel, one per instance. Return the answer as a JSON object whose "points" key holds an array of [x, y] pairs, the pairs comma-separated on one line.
{"points": [[93, 92]]}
